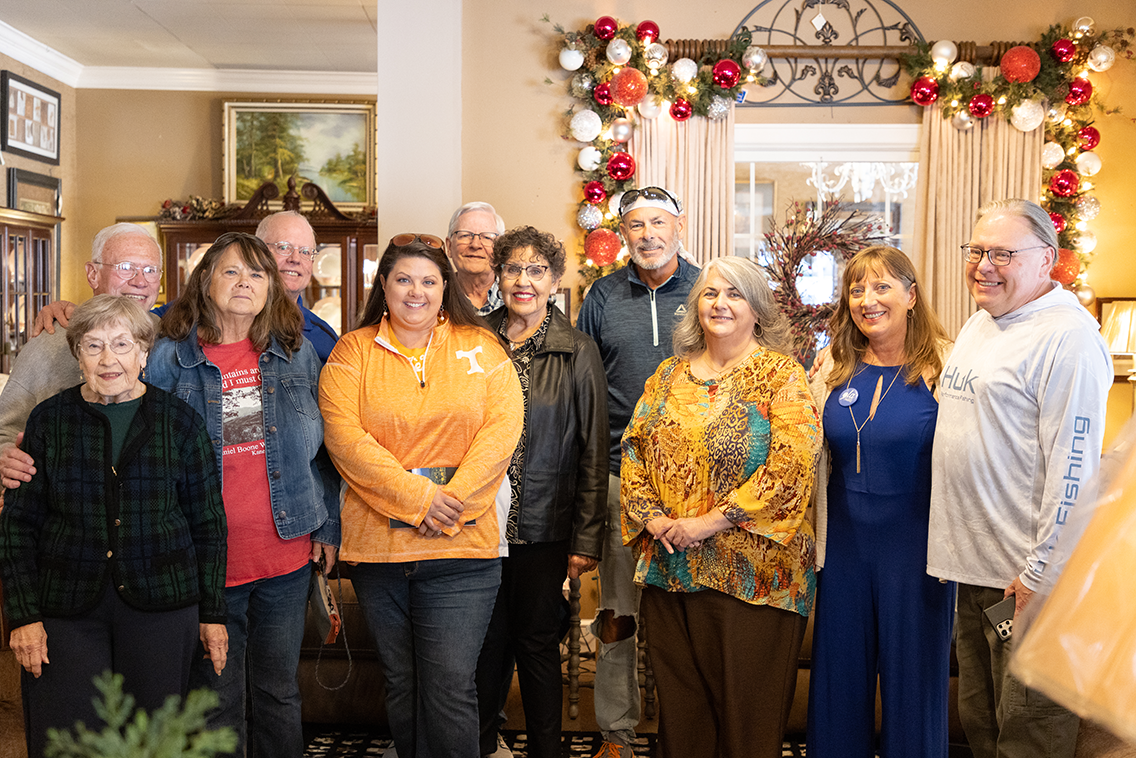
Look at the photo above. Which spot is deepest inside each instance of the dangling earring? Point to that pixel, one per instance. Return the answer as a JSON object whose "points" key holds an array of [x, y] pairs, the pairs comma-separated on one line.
{"points": [[911, 313], [441, 314]]}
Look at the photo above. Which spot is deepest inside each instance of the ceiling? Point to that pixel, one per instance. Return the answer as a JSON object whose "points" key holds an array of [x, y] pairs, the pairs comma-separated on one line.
{"points": [[195, 36]]}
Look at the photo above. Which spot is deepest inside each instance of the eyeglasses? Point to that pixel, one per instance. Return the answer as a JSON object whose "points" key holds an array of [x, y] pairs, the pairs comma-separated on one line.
{"points": [[535, 271], [429, 240], [997, 256], [127, 270], [463, 237], [651, 193], [284, 249], [120, 346]]}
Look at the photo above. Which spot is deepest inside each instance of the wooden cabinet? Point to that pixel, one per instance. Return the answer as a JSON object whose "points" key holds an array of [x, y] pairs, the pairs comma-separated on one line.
{"points": [[29, 275]]}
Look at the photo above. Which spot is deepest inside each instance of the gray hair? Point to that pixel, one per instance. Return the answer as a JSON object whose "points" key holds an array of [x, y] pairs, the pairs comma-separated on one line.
{"points": [[102, 311], [474, 206], [267, 221], [772, 328], [118, 230], [1036, 217]]}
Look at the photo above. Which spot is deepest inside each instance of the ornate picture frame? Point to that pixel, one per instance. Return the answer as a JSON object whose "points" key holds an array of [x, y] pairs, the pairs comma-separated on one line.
{"points": [[31, 123], [328, 143]]}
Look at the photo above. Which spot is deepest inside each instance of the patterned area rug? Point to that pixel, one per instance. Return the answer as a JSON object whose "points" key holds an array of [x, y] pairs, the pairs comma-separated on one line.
{"points": [[346, 742]]}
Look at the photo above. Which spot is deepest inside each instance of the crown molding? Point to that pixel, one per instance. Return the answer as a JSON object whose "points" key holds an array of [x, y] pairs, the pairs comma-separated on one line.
{"points": [[230, 80], [50, 62], [39, 56]]}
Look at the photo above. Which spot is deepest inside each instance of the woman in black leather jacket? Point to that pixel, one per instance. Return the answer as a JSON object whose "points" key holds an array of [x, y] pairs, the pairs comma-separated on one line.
{"points": [[559, 476]]}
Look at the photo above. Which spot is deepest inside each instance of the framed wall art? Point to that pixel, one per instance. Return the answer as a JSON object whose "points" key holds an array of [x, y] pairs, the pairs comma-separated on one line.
{"points": [[331, 144], [34, 193], [31, 127]]}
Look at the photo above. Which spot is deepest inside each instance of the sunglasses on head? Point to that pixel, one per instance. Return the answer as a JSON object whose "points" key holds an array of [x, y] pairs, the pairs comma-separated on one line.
{"points": [[651, 193], [429, 240]]}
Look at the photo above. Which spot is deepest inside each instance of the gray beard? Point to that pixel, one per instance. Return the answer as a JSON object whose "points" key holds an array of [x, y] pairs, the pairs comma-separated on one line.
{"points": [[637, 259]]}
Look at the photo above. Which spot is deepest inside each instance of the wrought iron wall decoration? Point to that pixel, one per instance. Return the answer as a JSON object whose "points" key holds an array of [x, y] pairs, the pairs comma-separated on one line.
{"points": [[849, 55]]}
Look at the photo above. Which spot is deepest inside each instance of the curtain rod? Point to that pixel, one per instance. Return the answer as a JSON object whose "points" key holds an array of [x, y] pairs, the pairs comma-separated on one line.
{"points": [[968, 51]]}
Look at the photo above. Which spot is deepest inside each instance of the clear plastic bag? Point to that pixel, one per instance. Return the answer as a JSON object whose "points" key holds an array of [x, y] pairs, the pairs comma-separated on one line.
{"points": [[1079, 645]]}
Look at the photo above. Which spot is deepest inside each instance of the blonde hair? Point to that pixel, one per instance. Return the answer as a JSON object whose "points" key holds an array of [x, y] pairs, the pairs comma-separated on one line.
{"points": [[924, 331], [772, 328]]}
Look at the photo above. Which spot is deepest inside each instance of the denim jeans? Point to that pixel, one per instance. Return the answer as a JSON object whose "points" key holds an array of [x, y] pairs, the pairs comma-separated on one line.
{"points": [[429, 619], [266, 628], [617, 698]]}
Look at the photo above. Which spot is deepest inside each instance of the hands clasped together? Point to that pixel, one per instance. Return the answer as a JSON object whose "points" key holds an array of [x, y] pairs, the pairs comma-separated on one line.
{"points": [[683, 533]]}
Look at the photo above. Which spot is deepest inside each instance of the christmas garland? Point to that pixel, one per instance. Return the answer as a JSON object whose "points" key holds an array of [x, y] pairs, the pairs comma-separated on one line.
{"points": [[1047, 82], [834, 229], [621, 76]]}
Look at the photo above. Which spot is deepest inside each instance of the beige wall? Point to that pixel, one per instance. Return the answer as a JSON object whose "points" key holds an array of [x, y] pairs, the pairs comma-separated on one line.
{"points": [[66, 170], [513, 154]]}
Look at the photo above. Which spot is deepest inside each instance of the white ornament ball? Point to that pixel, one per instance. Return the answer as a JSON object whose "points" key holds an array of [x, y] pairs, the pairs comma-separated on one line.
{"points": [[1051, 155], [684, 69], [1084, 26], [1027, 115], [1088, 207], [718, 109], [589, 217], [944, 52], [1101, 58], [613, 203], [1086, 295], [656, 55], [1088, 164], [589, 159], [621, 129], [649, 107], [570, 59], [1086, 242], [962, 70], [754, 58], [586, 125], [962, 120], [619, 51], [1056, 112]]}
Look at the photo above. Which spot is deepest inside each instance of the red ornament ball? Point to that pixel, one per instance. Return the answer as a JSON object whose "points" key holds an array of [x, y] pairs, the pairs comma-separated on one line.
{"points": [[1058, 221], [629, 87], [605, 27], [647, 32], [621, 166], [1080, 90], [981, 105], [924, 91], [1020, 64], [602, 94], [602, 245], [1064, 50], [1064, 183], [1067, 268], [1088, 137], [595, 193], [681, 110], [726, 73]]}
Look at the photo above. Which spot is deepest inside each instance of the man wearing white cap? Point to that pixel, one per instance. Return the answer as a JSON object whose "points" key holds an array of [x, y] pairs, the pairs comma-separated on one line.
{"points": [[630, 314]]}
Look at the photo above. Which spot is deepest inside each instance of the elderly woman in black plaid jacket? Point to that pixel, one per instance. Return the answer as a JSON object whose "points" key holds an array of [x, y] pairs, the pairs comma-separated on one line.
{"points": [[113, 555]]}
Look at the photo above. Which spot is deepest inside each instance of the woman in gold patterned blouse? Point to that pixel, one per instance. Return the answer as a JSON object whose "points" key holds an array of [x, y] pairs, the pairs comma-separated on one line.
{"points": [[718, 462]]}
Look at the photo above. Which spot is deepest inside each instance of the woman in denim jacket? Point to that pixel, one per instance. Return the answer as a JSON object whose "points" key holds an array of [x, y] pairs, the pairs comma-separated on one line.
{"points": [[233, 348]]}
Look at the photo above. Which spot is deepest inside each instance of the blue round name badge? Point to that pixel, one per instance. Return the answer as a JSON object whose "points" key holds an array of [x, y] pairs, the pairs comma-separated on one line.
{"points": [[848, 396]]}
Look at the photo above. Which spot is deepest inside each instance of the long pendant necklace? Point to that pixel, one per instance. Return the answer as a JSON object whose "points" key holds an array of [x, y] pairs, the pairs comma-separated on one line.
{"points": [[877, 398]]}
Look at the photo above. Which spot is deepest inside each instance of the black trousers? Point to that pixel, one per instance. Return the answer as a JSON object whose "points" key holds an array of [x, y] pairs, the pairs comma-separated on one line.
{"points": [[153, 651], [526, 627]]}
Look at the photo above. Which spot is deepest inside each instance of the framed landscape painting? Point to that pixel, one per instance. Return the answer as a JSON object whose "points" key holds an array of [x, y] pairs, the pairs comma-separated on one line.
{"points": [[330, 144]]}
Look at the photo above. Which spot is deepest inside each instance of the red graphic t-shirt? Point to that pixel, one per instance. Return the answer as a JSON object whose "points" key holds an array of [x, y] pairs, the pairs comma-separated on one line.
{"points": [[255, 549]]}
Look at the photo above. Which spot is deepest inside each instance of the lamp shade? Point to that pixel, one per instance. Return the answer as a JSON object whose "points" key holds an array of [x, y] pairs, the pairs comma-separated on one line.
{"points": [[1119, 326]]}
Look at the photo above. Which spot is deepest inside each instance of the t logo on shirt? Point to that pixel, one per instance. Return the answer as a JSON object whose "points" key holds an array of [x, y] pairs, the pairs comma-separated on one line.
{"points": [[471, 356]]}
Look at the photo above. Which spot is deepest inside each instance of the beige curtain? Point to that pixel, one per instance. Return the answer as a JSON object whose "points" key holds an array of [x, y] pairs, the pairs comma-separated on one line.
{"points": [[959, 171], [694, 159]]}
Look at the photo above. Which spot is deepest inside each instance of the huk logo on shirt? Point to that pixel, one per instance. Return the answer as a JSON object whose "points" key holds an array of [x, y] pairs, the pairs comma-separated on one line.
{"points": [[954, 380], [471, 356]]}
